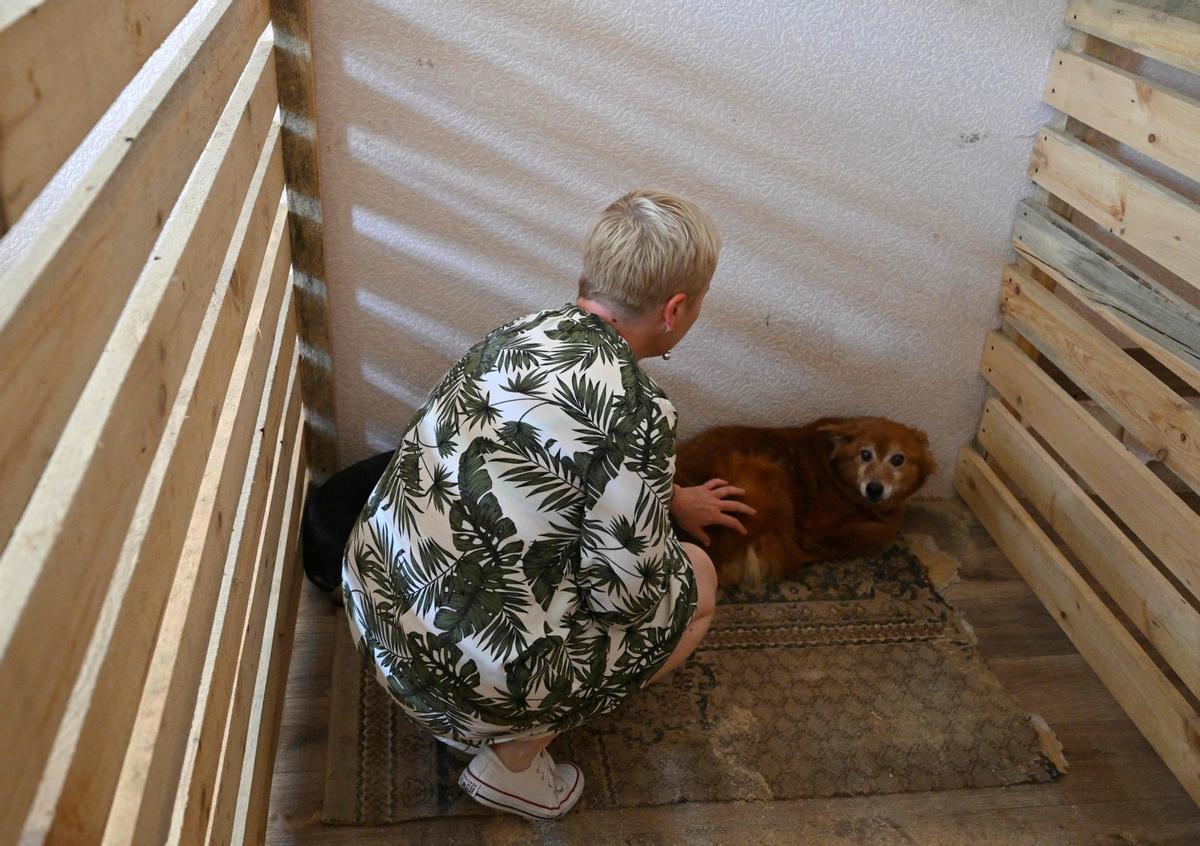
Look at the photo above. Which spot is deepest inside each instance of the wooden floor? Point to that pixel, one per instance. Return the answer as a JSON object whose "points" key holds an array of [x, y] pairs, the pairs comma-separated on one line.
{"points": [[1117, 792]]}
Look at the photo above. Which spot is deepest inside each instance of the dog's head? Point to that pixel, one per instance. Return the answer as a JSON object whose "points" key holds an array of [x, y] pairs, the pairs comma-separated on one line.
{"points": [[878, 461]]}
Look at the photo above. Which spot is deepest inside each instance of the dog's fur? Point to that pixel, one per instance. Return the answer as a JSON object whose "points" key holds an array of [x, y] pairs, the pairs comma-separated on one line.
{"points": [[809, 485]]}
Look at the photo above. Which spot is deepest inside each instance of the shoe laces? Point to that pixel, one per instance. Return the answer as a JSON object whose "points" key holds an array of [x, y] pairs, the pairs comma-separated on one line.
{"points": [[546, 770]]}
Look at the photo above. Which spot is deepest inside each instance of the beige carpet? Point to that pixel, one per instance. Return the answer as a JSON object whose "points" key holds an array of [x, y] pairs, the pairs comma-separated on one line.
{"points": [[856, 679]]}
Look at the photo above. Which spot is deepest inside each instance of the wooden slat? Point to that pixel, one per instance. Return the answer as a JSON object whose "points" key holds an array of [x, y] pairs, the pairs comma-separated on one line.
{"points": [[292, 24], [1151, 602], [47, 105], [254, 790], [1160, 419], [234, 484], [110, 440], [1152, 702], [1149, 117], [245, 716], [90, 747], [1147, 361], [1166, 30], [1160, 322], [67, 289], [1159, 518], [239, 611], [1149, 217]]}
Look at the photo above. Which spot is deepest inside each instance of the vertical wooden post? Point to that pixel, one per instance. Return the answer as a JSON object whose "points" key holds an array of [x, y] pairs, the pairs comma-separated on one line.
{"points": [[297, 98], [1090, 45]]}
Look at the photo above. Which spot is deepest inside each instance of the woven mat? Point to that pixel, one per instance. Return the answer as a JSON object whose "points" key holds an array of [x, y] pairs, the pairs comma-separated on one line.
{"points": [[856, 679]]}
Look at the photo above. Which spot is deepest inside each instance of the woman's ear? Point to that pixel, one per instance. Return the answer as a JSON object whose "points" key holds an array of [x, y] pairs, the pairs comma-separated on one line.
{"points": [[671, 309]]}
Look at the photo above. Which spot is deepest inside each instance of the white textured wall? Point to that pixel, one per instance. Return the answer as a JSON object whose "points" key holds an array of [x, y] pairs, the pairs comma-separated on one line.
{"points": [[862, 160]]}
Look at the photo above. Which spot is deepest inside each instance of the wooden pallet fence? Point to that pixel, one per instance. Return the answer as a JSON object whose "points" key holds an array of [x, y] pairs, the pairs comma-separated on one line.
{"points": [[155, 457], [1046, 452]]}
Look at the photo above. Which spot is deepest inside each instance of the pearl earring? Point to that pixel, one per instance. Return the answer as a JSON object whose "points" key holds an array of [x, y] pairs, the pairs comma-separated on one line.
{"points": [[667, 355]]}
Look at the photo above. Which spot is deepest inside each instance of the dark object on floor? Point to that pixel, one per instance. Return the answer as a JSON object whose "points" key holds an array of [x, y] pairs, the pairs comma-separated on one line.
{"points": [[329, 517]]}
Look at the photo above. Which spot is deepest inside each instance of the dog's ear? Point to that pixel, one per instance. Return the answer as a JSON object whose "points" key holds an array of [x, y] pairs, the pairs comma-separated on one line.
{"points": [[839, 433], [928, 463]]}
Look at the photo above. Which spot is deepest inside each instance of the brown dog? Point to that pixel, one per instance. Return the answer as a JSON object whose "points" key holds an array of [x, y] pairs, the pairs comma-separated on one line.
{"points": [[831, 489]]}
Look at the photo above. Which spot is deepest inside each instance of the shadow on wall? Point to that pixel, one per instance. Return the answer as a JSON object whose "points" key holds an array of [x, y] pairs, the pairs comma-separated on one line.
{"points": [[466, 148]]}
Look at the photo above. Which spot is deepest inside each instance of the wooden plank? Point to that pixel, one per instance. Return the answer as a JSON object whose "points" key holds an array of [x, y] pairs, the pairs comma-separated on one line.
{"points": [[1151, 602], [291, 20], [1160, 419], [91, 743], [1156, 352], [234, 484], [1080, 42], [110, 440], [47, 105], [246, 712], [254, 793], [1086, 44], [1159, 518], [1083, 43], [1147, 361], [1162, 323], [1151, 218], [1152, 702], [66, 290], [1021, 815], [1166, 30], [1149, 117], [239, 611]]}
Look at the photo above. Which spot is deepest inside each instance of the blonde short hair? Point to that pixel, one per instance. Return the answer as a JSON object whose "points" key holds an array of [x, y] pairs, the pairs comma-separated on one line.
{"points": [[647, 246]]}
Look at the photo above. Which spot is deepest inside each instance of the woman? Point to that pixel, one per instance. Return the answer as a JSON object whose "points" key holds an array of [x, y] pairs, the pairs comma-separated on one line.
{"points": [[515, 571]]}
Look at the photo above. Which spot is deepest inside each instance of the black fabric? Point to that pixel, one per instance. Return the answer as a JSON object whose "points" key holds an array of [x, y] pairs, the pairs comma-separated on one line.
{"points": [[329, 517]]}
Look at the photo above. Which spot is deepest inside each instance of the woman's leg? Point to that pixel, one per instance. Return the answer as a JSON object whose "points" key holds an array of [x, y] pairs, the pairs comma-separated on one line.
{"points": [[706, 603], [517, 755]]}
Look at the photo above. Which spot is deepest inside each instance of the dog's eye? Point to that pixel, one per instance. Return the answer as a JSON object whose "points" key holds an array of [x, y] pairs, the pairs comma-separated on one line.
{"points": [[865, 455], [897, 460]]}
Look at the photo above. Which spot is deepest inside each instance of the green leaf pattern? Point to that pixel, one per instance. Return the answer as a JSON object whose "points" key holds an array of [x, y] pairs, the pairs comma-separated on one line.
{"points": [[515, 572]]}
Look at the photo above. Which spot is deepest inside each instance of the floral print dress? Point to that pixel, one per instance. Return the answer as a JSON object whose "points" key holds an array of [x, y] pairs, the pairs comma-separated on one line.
{"points": [[515, 572]]}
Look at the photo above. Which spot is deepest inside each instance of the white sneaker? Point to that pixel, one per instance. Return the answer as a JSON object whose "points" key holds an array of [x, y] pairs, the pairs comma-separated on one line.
{"points": [[544, 791]]}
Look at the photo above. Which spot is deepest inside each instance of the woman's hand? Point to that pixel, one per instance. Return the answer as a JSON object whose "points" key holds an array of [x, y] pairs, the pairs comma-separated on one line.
{"points": [[709, 504]]}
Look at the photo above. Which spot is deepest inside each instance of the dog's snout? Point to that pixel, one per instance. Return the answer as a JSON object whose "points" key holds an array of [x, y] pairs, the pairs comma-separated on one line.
{"points": [[874, 491]]}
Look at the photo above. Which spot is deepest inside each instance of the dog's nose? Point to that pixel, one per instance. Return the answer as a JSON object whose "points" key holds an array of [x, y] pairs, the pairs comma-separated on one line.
{"points": [[874, 491]]}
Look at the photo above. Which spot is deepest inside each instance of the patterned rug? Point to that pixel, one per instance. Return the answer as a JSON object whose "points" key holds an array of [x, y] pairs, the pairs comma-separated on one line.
{"points": [[856, 679]]}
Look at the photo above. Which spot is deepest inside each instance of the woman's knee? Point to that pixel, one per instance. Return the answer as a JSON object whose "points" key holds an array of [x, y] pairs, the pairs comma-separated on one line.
{"points": [[706, 580]]}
